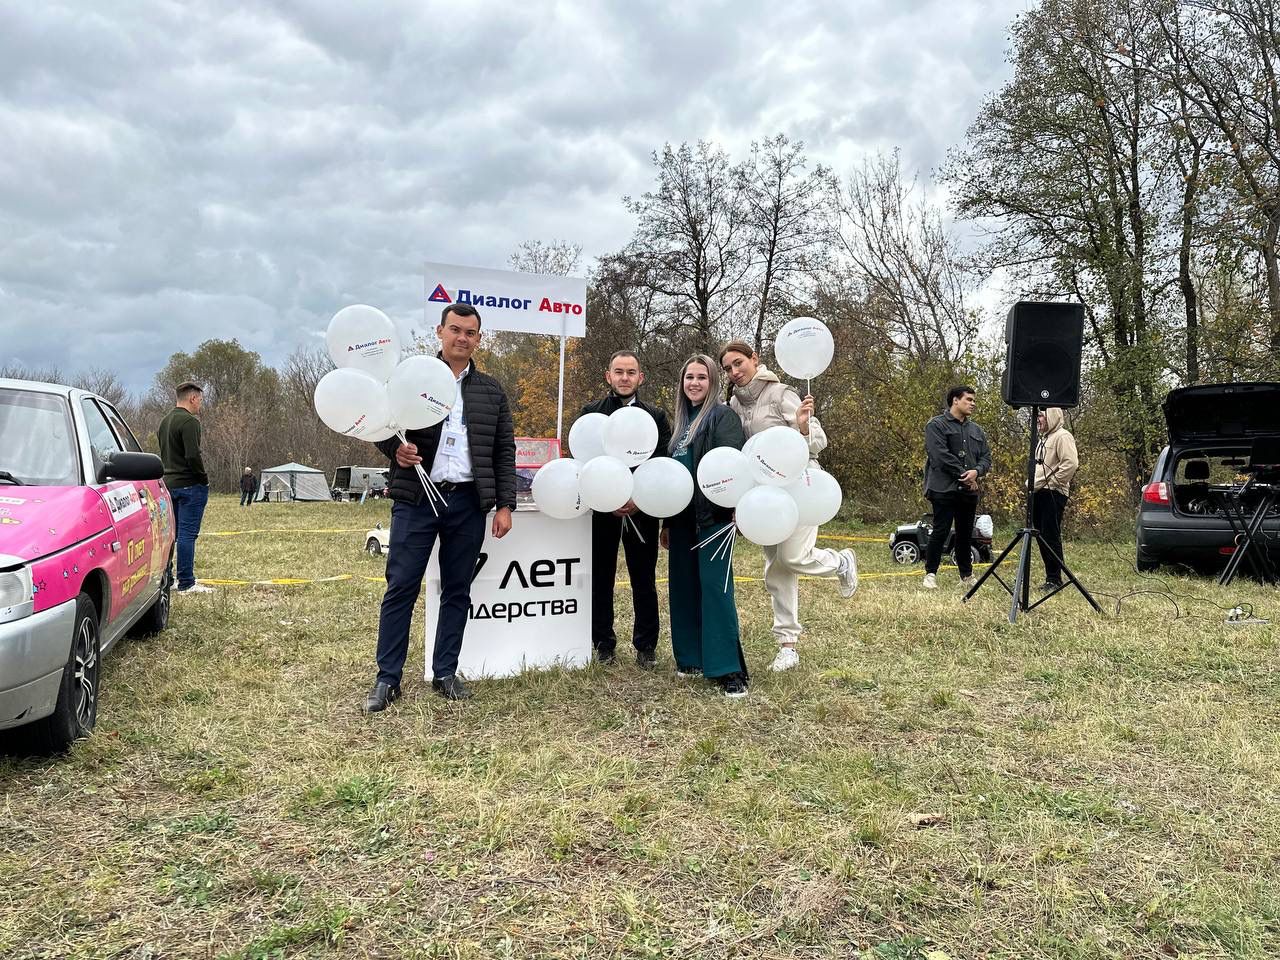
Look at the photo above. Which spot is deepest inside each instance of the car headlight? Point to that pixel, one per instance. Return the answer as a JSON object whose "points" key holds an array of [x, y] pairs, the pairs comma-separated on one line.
{"points": [[15, 593]]}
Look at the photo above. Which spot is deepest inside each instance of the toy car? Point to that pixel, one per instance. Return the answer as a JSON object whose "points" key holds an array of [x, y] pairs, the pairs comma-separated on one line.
{"points": [[908, 542], [86, 540], [377, 540]]}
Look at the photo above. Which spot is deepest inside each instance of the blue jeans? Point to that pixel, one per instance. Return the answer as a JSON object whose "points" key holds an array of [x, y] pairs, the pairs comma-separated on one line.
{"points": [[188, 511], [414, 529]]}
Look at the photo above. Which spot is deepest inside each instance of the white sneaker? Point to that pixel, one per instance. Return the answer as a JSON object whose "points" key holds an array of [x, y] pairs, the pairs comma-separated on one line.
{"points": [[196, 587], [848, 573], [968, 581], [786, 659], [930, 581]]}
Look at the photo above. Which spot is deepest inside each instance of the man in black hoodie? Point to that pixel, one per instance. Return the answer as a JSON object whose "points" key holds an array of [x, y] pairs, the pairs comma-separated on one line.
{"points": [[624, 378], [471, 458]]}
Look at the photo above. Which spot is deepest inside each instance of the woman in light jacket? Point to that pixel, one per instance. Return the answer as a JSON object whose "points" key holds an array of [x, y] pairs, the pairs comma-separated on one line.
{"points": [[761, 401], [704, 616]]}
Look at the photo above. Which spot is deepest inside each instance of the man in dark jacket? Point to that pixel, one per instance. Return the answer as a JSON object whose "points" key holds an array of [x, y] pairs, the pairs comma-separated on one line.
{"points": [[958, 457], [471, 458], [624, 378], [248, 487], [179, 438]]}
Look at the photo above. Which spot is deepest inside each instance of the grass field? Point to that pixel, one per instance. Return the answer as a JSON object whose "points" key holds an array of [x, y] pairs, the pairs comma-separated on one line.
{"points": [[931, 782]]}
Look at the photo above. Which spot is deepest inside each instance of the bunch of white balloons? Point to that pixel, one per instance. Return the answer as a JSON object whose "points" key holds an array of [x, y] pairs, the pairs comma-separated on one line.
{"points": [[374, 395], [769, 482], [770, 485], [599, 477]]}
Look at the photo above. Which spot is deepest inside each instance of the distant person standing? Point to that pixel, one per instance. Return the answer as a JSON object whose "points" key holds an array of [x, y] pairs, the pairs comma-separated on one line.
{"points": [[248, 486], [640, 544], [1056, 463], [958, 458], [184, 475]]}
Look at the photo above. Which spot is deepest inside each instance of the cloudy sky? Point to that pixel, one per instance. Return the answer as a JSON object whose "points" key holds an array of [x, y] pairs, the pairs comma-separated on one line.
{"points": [[176, 171]]}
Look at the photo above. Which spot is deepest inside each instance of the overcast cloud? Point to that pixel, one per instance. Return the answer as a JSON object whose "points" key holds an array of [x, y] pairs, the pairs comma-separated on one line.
{"points": [[175, 171]]}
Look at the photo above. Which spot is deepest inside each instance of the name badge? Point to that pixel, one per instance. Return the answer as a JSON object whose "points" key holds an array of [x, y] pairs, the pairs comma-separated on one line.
{"points": [[453, 441]]}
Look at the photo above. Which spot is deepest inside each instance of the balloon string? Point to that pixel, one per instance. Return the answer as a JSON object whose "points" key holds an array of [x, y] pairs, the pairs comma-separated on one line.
{"points": [[634, 529], [433, 494], [726, 546], [728, 570], [723, 531]]}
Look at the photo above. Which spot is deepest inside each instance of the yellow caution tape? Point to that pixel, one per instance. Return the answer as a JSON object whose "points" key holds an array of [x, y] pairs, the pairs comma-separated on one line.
{"points": [[238, 533], [341, 577]]}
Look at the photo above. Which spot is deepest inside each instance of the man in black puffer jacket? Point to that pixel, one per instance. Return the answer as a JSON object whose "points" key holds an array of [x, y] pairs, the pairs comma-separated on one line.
{"points": [[471, 458]]}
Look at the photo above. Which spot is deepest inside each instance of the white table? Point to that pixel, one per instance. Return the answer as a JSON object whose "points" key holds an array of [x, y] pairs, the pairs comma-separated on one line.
{"points": [[530, 600]]}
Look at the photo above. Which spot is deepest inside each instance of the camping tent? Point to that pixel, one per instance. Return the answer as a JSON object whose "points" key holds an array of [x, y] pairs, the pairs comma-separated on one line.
{"points": [[293, 481]]}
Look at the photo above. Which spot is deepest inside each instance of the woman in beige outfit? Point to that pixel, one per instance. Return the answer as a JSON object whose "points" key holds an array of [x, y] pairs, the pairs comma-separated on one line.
{"points": [[762, 401]]}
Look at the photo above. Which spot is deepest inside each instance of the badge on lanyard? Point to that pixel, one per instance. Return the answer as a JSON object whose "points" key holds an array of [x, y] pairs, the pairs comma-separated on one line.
{"points": [[454, 437]]}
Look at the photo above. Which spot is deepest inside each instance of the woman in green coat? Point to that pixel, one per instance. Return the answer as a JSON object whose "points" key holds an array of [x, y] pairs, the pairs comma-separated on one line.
{"points": [[704, 616]]}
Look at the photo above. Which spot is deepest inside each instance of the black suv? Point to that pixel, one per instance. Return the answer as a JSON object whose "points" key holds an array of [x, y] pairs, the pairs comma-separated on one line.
{"points": [[1212, 432]]}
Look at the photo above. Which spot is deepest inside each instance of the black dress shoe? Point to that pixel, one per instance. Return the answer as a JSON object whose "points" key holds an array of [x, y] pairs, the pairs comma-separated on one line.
{"points": [[607, 657], [381, 696], [646, 660], [451, 688]]}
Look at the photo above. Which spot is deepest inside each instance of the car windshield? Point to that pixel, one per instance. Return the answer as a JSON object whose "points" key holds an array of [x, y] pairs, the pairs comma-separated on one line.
{"points": [[37, 440]]}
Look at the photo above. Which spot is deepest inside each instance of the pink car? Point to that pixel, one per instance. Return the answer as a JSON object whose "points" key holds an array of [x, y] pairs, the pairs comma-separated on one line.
{"points": [[86, 539]]}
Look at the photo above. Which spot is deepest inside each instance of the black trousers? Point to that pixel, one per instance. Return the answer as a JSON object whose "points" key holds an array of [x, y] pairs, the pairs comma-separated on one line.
{"points": [[948, 509], [1047, 507], [414, 531], [642, 562]]}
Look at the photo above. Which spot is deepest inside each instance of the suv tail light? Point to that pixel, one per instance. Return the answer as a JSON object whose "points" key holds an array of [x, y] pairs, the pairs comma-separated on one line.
{"points": [[1156, 493]]}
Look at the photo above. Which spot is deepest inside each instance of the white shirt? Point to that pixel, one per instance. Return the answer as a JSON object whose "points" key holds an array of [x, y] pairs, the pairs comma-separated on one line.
{"points": [[453, 454]]}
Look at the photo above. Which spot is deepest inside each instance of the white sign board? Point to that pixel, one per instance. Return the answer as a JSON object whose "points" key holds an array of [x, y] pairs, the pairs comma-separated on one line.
{"points": [[520, 302], [530, 600]]}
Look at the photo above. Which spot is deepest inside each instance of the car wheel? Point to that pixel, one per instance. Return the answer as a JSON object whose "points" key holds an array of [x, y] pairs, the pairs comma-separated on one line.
{"points": [[156, 619], [975, 555], [1148, 566], [76, 713], [374, 547], [906, 552]]}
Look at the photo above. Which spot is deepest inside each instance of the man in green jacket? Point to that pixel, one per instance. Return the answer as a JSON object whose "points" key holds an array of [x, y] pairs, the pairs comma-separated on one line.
{"points": [[184, 475]]}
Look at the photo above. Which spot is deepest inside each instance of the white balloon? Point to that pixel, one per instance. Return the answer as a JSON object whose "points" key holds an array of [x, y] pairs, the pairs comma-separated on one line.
{"points": [[724, 475], [555, 489], [352, 402], [767, 515], [663, 487], [364, 338], [804, 348], [422, 391], [606, 484], [818, 496], [630, 435], [586, 437], [778, 455]]}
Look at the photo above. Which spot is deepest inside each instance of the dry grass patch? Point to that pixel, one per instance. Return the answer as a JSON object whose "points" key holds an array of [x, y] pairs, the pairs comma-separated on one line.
{"points": [[931, 782]]}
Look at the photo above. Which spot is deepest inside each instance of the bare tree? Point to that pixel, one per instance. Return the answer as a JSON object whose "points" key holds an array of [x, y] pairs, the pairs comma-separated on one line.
{"points": [[785, 207], [692, 238], [898, 257], [1226, 67]]}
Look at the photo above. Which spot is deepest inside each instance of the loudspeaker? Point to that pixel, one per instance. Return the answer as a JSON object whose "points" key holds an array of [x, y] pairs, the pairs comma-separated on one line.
{"points": [[1042, 366]]}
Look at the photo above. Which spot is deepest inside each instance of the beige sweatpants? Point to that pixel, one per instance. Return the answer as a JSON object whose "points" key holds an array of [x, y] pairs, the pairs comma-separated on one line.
{"points": [[784, 564]]}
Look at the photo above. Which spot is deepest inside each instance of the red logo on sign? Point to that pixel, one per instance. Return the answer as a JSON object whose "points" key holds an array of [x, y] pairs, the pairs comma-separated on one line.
{"points": [[440, 295]]}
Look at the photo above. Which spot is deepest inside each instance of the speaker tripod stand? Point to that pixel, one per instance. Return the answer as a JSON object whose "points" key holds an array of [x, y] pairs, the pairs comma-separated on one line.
{"points": [[1021, 589]]}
